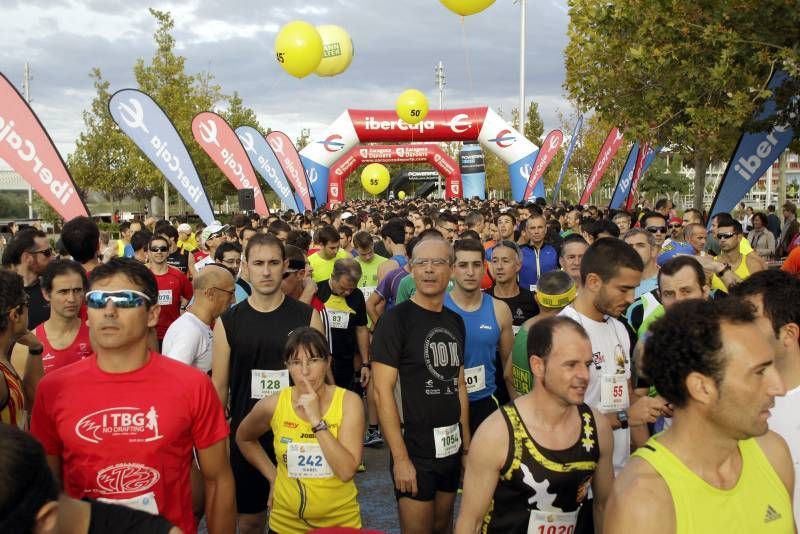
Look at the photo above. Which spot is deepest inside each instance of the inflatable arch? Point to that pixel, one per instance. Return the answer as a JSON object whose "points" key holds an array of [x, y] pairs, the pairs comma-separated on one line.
{"points": [[356, 126], [415, 153]]}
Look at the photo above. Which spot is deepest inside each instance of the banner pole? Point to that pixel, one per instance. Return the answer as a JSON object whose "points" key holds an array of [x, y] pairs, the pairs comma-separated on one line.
{"points": [[166, 200]]}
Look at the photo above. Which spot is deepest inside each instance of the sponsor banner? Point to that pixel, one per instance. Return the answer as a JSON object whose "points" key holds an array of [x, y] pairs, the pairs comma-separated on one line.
{"points": [[266, 164], [289, 160], [473, 170], [754, 154], [607, 152], [512, 147], [420, 176], [143, 120], [336, 190], [623, 186], [27, 148], [546, 154], [638, 172], [568, 156], [219, 141], [439, 125]]}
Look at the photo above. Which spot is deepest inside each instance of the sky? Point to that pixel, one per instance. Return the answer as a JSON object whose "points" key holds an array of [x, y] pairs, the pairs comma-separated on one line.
{"points": [[397, 45]]}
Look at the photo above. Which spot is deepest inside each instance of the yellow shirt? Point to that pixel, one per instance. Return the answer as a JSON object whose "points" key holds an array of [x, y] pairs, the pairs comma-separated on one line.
{"points": [[303, 503], [742, 271], [323, 268], [758, 503], [190, 245]]}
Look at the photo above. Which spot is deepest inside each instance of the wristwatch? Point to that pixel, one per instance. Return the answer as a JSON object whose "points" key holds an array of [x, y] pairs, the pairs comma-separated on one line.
{"points": [[319, 427], [368, 365], [36, 352], [622, 415], [724, 269]]}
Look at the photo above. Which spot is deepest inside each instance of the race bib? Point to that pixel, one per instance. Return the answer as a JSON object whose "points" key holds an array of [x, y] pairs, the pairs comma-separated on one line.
{"points": [[447, 439], [338, 319], [263, 382], [552, 522], [613, 393], [516, 329], [305, 460], [143, 503], [164, 297], [475, 377], [368, 291], [533, 288]]}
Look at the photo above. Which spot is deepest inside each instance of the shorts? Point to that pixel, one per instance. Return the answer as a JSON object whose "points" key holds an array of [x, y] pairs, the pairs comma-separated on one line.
{"points": [[252, 489], [479, 410], [433, 475], [343, 372]]}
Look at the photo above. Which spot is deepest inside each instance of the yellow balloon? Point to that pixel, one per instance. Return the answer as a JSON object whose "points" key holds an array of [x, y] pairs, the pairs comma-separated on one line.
{"points": [[337, 50], [375, 178], [401, 195], [412, 106], [467, 7], [298, 48]]}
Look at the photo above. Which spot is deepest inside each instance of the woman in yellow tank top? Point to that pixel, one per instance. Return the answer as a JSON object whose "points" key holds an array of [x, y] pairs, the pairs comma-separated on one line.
{"points": [[319, 430]]}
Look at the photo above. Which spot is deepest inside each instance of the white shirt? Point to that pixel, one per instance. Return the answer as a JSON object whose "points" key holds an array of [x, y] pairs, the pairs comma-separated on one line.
{"points": [[785, 421], [189, 340], [610, 343], [198, 266]]}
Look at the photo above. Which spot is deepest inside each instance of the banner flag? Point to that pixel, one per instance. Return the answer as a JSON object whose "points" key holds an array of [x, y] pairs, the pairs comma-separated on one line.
{"points": [[473, 170], [266, 164], [142, 119], [754, 154], [623, 187], [27, 148], [638, 172], [216, 137], [568, 156], [545, 156], [607, 153], [289, 160]]}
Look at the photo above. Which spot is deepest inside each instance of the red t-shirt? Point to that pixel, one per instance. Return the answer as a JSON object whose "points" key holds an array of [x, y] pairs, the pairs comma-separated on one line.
{"points": [[129, 436], [172, 285], [52, 359], [199, 254]]}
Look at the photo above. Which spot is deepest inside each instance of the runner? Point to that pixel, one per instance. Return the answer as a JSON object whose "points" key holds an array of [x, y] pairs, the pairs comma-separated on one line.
{"points": [[28, 255], [505, 265], [735, 265], [178, 258], [488, 326], [420, 343], [655, 223], [369, 262], [721, 378], [64, 335], [572, 250], [532, 461], [775, 295], [322, 261], [174, 288], [120, 426], [211, 237], [13, 327], [247, 360], [644, 243], [317, 430], [81, 237], [538, 257], [393, 235]]}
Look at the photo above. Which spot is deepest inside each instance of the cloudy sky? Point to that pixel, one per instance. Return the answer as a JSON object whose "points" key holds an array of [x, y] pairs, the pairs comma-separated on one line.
{"points": [[397, 43]]}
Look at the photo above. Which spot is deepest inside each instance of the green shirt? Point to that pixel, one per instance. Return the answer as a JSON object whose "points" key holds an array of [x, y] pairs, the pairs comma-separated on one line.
{"points": [[520, 365], [322, 267], [407, 288]]}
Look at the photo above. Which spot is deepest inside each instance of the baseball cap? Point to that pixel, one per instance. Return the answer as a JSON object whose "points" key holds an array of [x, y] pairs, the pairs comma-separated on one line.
{"points": [[184, 228], [676, 220], [211, 230], [673, 249], [346, 215]]}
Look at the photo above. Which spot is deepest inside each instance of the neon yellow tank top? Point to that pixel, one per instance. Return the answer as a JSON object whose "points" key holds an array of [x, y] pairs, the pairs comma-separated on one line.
{"points": [[759, 502], [303, 504], [742, 271]]}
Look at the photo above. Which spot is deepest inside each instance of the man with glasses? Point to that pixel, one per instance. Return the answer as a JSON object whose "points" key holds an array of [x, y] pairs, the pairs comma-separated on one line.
{"points": [[420, 344], [675, 227], [120, 426], [28, 255], [229, 255], [212, 237], [731, 266], [447, 224], [655, 223], [174, 288]]}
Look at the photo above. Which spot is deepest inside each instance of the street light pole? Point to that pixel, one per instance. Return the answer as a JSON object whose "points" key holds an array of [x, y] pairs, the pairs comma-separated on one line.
{"points": [[440, 83], [522, 113]]}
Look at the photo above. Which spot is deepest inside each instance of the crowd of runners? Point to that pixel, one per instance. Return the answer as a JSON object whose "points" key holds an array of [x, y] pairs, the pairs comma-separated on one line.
{"points": [[561, 369]]}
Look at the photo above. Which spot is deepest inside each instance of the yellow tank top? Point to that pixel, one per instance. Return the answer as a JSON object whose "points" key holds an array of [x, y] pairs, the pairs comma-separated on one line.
{"points": [[759, 502], [304, 503], [742, 271]]}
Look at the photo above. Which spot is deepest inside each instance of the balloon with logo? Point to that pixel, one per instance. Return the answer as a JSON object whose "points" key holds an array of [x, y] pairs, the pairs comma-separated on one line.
{"points": [[375, 178], [412, 106], [466, 7], [401, 195], [298, 48], [337, 50]]}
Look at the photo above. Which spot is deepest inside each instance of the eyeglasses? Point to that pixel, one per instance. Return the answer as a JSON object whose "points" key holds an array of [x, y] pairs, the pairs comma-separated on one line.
{"points": [[674, 226], [424, 262], [310, 362], [159, 249], [232, 262], [46, 252], [24, 304], [657, 229], [447, 229], [124, 298], [288, 272], [229, 292], [726, 235]]}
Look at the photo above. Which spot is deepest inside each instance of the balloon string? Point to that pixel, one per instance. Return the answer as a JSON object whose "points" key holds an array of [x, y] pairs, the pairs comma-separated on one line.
{"points": [[466, 55]]}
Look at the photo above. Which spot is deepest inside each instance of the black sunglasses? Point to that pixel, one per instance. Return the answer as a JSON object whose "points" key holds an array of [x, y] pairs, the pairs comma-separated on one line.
{"points": [[673, 226], [726, 236], [657, 229], [159, 249], [46, 252]]}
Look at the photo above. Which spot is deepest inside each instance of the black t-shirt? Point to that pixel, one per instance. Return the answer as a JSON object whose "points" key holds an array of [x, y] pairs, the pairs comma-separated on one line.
{"points": [[427, 349], [123, 520], [523, 306], [257, 341], [180, 260], [351, 310], [39, 308]]}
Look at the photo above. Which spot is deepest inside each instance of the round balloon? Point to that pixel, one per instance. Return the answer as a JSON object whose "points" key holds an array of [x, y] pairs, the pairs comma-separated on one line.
{"points": [[337, 50], [401, 195], [298, 48], [412, 106], [467, 7], [375, 178]]}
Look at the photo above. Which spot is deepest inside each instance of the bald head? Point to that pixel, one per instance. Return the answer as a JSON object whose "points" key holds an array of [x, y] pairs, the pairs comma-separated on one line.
{"points": [[212, 275]]}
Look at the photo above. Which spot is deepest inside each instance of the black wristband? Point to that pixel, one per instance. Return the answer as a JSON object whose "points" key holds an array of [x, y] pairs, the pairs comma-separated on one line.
{"points": [[368, 365], [36, 352]]}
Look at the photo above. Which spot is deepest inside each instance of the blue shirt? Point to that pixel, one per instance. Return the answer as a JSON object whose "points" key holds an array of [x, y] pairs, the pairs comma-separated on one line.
{"points": [[535, 263]]}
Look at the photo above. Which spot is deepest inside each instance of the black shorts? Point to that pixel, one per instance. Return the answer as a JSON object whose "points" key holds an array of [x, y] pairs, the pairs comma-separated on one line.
{"points": [[479, 410], [252, 489], [433, 475], [343, 372]]}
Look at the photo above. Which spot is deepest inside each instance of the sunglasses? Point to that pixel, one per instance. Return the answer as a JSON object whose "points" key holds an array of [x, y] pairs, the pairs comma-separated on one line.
{"points": [[657, 229], [287, 273], [726, 236], [673, 226], [46, 252], [124, 298], [159, 249]]}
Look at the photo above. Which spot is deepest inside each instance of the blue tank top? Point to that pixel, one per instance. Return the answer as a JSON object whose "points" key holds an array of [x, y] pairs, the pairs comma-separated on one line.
{"points": [[400, 259], [480, 346]]}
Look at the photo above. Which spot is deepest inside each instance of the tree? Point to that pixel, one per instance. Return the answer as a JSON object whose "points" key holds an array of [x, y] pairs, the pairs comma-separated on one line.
{"points": [[534, 126], [681, 74]]}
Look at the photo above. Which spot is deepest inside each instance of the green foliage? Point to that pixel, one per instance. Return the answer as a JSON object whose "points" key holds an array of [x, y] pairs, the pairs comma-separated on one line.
{"points": [[664, 177], [13, 205]]}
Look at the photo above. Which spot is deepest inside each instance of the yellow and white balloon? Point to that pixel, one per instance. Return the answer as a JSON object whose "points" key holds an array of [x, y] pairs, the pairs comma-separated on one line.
{"points": [[375, 178]]}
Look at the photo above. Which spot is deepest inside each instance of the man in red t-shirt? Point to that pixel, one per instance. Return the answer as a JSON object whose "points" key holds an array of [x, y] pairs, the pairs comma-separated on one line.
{"points": [[120, 426], [65, 336], [174, 288]]}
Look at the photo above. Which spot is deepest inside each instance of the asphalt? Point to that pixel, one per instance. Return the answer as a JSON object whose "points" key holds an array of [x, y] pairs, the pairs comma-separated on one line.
{"points": [[376, 493]]}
